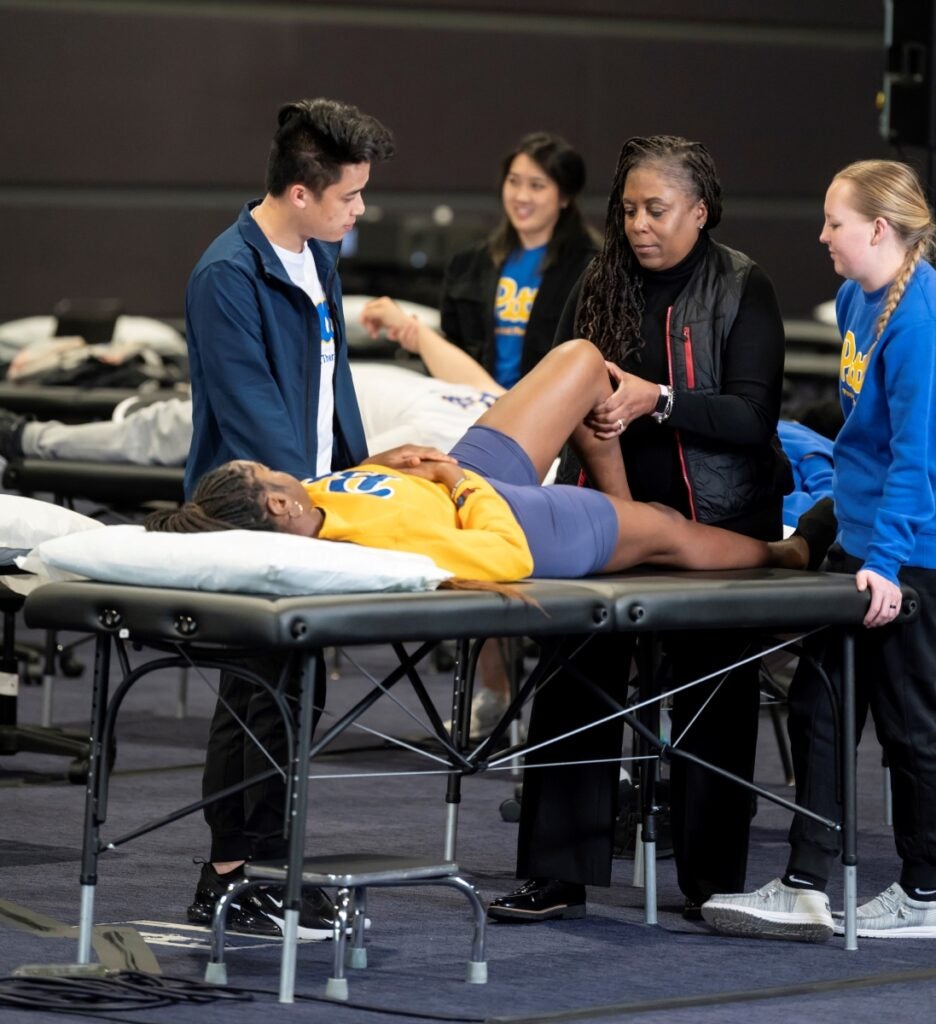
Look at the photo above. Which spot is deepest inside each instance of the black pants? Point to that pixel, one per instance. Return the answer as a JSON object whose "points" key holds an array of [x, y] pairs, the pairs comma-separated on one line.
{"points": [[895, 676], [250, 824], [567, 813]]}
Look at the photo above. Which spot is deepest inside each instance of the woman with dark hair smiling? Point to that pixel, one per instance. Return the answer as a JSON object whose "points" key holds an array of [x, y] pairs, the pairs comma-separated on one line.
{"points": [[502, 298]]}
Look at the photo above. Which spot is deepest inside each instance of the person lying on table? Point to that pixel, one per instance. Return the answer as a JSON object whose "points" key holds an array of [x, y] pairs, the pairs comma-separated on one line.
{"points": [[482, 514]]}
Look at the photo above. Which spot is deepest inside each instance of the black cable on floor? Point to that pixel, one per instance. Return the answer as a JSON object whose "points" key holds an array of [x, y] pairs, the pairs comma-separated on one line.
{"points": [[125, 990], [134, 990]]}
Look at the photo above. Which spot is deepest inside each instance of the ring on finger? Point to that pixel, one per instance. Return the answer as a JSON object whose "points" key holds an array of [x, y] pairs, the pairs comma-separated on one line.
{"points": [[620, 426]]}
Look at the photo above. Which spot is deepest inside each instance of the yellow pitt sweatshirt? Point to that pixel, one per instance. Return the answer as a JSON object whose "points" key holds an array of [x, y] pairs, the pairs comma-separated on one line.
{"points": [[475, 538]]}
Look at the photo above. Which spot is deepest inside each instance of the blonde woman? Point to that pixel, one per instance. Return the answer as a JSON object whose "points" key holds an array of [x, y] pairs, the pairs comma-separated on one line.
{"points": [[879, 231]]}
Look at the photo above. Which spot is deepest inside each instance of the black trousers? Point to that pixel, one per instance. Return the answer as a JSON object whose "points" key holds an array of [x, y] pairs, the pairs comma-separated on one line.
{"points": [[895, 677], [567, 813], [250, 825]]}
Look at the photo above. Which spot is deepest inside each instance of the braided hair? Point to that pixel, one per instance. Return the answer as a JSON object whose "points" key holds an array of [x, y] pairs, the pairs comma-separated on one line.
{"points": [[892, 190], [228, 498], [611, 305]]}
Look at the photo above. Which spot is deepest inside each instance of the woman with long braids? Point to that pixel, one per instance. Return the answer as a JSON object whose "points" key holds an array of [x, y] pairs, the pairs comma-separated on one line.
{"points": [[880, 233], [483, 514], [693, 338]]}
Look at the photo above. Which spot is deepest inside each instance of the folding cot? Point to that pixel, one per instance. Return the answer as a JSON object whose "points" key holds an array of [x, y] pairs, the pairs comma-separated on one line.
{"points": [[212, 628]]}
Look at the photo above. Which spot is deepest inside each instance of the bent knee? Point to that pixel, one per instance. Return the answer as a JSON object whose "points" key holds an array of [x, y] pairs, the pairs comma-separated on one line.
{"points": [[579, 350]]}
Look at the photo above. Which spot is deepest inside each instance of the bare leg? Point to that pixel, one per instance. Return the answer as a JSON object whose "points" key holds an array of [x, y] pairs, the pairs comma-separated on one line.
{"points": [[655, 535], [547, 407], [224, 866], [493, 669]]}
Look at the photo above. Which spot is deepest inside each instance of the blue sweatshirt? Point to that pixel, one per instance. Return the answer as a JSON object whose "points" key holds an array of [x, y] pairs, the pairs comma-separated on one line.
{"points": [[885, 454]]}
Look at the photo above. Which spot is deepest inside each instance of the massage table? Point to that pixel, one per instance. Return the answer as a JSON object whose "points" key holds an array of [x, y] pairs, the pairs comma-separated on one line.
{"points": [[64, 402], [212, 628], [116, 484], [16, 737]]}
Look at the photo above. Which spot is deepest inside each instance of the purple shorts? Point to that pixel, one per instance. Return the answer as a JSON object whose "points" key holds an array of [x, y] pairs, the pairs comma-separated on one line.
{"points": [[572, 531]]}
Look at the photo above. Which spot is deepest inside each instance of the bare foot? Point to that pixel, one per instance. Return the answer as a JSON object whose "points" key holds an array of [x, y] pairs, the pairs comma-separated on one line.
{"points": [[792, 553]]}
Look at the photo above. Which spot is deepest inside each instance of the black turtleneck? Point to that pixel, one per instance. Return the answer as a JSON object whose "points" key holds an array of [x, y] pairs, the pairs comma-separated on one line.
{"points": [[744, 413]]}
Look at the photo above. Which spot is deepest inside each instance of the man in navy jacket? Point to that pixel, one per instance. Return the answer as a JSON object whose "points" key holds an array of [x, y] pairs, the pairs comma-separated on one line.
{"points": [[260, 344], [271, 383]]}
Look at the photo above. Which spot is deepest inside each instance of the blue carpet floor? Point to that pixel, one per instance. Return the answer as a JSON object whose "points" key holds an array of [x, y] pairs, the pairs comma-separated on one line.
{"points": [[368, 796]]}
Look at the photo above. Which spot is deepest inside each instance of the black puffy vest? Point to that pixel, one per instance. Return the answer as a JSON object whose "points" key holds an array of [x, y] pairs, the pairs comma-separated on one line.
{"points": [[722, 482]]}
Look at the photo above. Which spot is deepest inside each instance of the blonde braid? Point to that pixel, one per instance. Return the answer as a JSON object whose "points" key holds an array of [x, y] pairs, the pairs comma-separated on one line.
{"points": [[899, 285]]}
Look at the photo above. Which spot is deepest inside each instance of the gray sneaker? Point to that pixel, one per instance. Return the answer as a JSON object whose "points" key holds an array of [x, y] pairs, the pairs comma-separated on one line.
{"points": [[775, 911], [893, 915]]}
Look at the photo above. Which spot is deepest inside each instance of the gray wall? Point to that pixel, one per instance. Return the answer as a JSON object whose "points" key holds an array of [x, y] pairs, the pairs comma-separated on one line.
{"points": [[132, 132]]}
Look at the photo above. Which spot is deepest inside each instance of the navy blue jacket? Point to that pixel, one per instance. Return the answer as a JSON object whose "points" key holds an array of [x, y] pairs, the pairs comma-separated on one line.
{"points": [[254, 349]]}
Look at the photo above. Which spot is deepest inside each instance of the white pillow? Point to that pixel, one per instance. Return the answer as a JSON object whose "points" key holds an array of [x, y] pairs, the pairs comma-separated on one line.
{"points": [[26, 522], [238, 561]]}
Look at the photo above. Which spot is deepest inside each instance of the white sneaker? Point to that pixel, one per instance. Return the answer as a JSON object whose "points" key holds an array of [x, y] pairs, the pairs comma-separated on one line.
{"points": [[487, 709], [893, 915], [775, 911]]}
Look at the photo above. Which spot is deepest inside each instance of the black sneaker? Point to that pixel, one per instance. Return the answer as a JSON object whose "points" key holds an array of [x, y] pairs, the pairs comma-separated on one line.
{"points": [[11, 434], [242, 916], [316, 911], [259, 911]]}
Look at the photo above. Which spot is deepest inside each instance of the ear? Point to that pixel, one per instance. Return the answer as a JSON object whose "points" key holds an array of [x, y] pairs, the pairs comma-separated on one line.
{"points": [[298, 195], [277, 504], [702, 214], [881, 230]]}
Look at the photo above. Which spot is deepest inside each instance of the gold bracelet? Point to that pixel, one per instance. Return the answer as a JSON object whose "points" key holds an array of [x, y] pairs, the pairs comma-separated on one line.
{"points": [[456, 485]]}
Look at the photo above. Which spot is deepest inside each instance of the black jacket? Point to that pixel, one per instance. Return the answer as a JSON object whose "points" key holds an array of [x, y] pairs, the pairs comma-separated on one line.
{"points": [[722, 480], [467, 304]]}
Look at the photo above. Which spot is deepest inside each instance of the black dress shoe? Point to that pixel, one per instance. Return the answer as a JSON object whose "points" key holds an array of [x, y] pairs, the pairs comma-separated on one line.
{"points": [[540, 899]]}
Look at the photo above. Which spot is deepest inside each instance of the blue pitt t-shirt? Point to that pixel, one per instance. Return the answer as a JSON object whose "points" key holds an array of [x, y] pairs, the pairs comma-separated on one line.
{"points": [[516, 290]]}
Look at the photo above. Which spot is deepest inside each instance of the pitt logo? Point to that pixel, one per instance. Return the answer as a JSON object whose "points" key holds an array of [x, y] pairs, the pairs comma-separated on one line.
{"points": [[513, 304], [854, 364], [352, 481], [326, 327], [483, 398]]}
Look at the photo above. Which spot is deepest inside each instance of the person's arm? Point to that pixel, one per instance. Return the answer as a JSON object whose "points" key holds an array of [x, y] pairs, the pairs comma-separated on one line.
{"points": [[442, 359], [909, 494], [410, 457], [489, 535], [226, 329], [491, 545], [746, 408]]}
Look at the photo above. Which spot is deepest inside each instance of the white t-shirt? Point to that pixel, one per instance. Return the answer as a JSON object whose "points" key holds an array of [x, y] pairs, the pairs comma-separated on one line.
{"points": [[300, 266], [399, 406]]}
